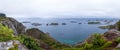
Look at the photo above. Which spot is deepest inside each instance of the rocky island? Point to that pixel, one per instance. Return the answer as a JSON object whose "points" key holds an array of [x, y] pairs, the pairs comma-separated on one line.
{"points": [[93, 22]]}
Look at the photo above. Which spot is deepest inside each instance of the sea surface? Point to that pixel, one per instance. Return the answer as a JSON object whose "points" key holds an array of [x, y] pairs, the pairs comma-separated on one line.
{"points": [[76, 29]]}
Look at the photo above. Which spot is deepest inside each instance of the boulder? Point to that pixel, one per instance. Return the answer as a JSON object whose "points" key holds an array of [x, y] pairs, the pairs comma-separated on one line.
{"points": [[118, 46], [112, 34]]}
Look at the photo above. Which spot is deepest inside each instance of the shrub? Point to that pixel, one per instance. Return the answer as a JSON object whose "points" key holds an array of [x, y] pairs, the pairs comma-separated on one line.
{"points": [[87, 46], [105, 45], [98, 40], [5, 33], [117, 39], [52, 42], [29, 42]]}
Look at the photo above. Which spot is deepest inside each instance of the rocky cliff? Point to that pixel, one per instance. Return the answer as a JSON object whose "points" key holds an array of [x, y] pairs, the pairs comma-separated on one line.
{"points": [[43, 39], [17, 27]]}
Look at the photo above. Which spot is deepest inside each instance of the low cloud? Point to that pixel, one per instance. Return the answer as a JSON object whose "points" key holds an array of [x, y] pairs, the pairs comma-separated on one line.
{"points": [[60, 8]]}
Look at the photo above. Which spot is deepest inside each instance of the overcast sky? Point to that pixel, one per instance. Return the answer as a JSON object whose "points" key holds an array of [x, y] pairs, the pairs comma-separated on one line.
{"points": [[60, 8]]}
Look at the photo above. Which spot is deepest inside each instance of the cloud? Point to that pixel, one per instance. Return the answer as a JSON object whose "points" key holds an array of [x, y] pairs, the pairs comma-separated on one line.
{"points": [[60, 8]]}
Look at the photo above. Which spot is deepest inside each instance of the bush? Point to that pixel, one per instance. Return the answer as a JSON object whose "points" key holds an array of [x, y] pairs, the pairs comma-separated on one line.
{"points": [[117, 39], [87, 46], [98, 40], [107, 44], [5, 33], [96, 43], [52, 42], [29, 42]]}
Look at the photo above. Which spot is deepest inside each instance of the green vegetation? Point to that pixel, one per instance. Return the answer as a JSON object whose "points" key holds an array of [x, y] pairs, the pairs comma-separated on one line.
{"points": [[14, 48], [117, 40], [97, 43], [51, 42], [29, 42], [93, 22], [5, 33], [118, 24], [105, 27], [73, 49], [87, 46], [2, 16], [107, 44], [54, 24], [97, 40]]}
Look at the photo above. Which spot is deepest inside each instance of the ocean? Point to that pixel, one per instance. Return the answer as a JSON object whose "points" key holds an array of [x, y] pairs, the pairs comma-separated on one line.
{"points": [[73, 30]]}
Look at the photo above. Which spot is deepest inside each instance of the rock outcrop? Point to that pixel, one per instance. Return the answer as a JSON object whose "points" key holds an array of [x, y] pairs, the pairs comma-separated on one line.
{"points": [[44, 39], [2, 15], [112, 34], [17, 27], [9, 44], [34, 32], [115, 26]]}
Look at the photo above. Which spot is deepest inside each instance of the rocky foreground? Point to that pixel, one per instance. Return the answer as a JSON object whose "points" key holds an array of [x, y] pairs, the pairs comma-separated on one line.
{"points": [[10, 44]]}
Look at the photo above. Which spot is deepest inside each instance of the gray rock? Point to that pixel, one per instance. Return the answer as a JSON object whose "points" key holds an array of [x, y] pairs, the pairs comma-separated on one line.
{"points": [[10, 44], [17, 27], [112, 34], [2, 15], [118, 46]]}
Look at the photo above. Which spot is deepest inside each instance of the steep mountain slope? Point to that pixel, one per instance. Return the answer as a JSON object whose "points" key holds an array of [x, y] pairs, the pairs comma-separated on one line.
{"points": [[17, 27]]}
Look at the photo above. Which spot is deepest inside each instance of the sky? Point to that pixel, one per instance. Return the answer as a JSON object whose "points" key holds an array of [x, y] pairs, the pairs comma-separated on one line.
{"points": [[61, 8]]}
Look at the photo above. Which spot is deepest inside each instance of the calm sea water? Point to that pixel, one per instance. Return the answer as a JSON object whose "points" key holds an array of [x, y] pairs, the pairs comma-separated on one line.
{"points": [[71, 33]]}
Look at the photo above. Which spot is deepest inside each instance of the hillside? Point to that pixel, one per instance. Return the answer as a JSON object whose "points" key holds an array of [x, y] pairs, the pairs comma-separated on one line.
{"points": [[34, 39], [110, 40]]}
